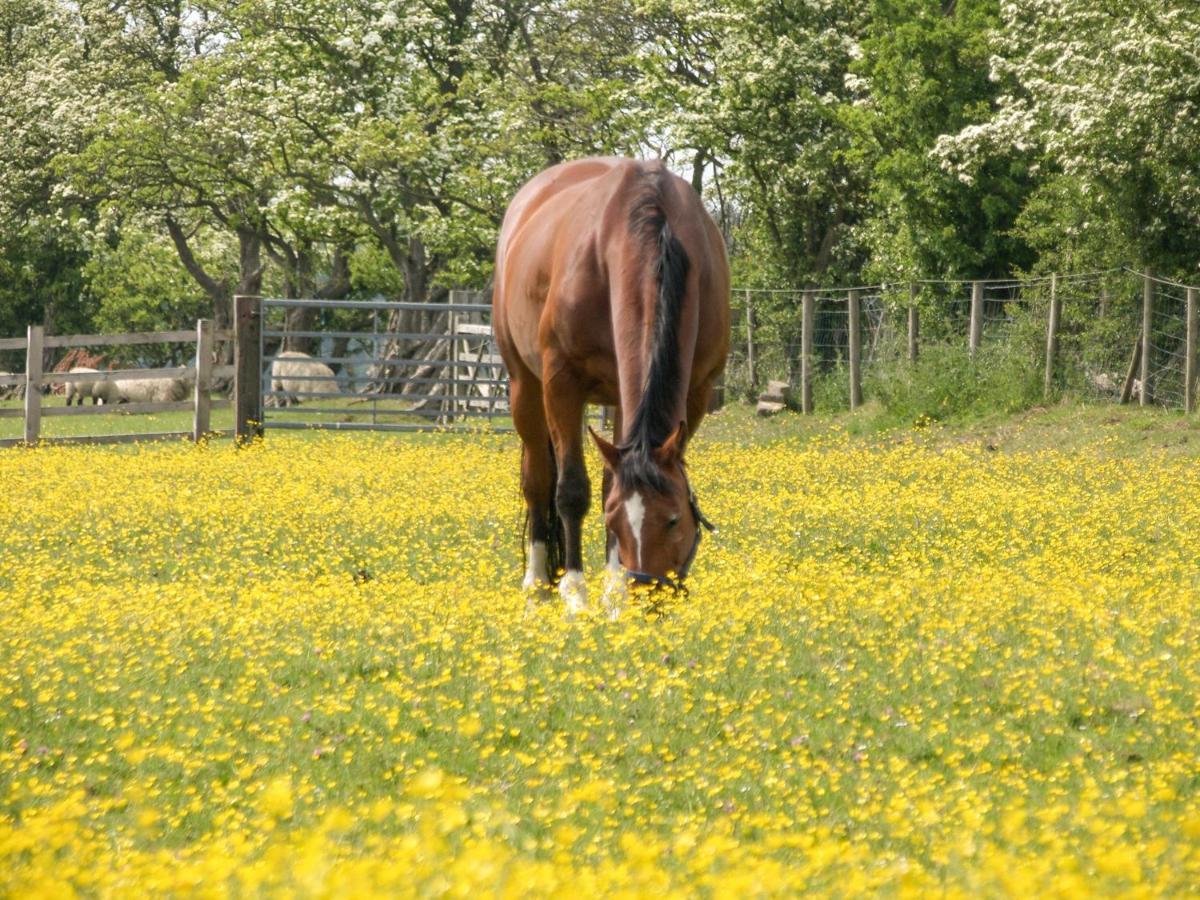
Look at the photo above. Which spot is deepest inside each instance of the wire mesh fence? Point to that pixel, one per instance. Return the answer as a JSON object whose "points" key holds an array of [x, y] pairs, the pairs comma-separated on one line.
{"points": [[1167, 345], [1093, 347]]}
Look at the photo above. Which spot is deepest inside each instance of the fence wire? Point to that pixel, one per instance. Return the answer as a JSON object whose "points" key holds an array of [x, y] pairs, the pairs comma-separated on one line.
{"points": [[1168, 344], [1099, 331]]}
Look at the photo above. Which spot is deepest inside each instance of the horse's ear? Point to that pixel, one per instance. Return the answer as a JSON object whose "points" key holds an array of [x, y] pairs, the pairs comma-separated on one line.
{"points": [[612, 456], [672, 448]]}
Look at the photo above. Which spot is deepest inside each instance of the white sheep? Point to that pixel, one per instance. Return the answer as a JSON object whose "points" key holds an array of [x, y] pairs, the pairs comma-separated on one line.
{"points": [[152, 390], [8, 391], [291, 372], [101, 391]]}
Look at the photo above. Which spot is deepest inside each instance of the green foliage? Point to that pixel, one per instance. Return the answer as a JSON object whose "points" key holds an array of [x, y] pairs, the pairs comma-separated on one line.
{"points": [[372, 272], [924, 74], [1105, 94], [366, 148], [137, 284], [831, 387], [947, 385]]}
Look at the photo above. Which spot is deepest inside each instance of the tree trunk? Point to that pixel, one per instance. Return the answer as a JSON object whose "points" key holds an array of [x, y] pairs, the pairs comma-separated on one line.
{"points": [[218, 292], [413, 262], [298, 285], [699, 161]]}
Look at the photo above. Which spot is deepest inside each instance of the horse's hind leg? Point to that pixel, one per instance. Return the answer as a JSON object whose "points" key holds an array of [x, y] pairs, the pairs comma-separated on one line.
{"points": [[537, 484], [565, 402]]}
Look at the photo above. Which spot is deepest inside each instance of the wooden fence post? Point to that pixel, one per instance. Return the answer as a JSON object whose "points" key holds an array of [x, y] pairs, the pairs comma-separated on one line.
{"points": [[976, 334], [247, 363], [751, 365], [1135, 361], [854, 331], [808, 315], [455, 373], [1147, 335], [204, 360], [1193, 337], [1052, 335], [33, 384], [914, 324]]}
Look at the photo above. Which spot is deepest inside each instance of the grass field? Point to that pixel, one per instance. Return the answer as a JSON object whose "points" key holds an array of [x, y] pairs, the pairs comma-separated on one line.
{"points": [[109, 420], [943, 660]]}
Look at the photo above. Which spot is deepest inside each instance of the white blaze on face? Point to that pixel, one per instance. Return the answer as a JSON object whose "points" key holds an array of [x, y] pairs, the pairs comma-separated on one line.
{"points": [[635, 512]]}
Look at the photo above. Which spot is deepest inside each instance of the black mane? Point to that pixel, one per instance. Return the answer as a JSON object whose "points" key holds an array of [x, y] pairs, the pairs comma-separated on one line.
{"points": [[654, 419]]}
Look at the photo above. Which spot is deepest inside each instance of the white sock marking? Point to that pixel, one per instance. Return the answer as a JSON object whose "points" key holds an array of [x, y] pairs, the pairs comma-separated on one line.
{"points": [[535, 572], [635, 512], [615, 588], [572, 587]]}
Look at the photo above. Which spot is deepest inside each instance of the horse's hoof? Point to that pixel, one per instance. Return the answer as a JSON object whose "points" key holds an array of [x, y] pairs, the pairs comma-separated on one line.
{"points": [[616, 593], [573, 589]]}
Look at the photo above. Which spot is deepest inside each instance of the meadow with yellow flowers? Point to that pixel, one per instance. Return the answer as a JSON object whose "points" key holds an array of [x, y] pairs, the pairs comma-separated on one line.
{"points": [[906, 665]]}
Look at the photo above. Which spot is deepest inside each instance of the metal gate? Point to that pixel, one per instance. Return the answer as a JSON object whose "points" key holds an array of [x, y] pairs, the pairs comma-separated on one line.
{"points": [[379, 365]]}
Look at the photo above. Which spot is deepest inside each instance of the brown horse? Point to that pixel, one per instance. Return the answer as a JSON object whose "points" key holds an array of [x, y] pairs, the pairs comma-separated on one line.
{"points": [[611, 287]]}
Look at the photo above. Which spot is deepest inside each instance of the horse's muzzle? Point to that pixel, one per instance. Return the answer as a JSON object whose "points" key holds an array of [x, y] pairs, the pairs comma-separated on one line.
{"points": [[657, 582]]}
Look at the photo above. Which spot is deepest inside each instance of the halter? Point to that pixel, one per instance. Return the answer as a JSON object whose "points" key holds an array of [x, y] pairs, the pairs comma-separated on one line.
{"points": [[676, 583]]}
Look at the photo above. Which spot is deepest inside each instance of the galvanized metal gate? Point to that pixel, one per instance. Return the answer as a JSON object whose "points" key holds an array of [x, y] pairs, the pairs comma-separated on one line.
{"points": [[380, 365]]}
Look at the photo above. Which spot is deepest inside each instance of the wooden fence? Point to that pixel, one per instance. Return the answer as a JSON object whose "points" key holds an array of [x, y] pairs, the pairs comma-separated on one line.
{"points": [[201, 374]]}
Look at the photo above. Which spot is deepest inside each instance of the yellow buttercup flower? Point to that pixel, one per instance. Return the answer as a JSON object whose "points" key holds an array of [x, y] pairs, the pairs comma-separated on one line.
{"points": [[908, 666]]}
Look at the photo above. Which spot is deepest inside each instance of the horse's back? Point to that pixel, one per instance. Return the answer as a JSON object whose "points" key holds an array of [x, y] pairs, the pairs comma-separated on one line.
{"points": [[569, 232], [547, 233], [546, 185]]}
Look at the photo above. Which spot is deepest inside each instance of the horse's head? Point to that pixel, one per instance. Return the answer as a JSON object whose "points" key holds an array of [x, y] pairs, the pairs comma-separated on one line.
{"points": [[651, 510]]}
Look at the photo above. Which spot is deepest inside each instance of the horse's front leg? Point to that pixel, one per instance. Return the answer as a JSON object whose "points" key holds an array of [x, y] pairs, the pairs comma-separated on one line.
{"points": [[537, 483], [564, 414], [616, 584]]}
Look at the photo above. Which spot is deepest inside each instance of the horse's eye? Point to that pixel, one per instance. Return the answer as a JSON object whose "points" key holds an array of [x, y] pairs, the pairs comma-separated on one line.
{"points": [[673, 521]]}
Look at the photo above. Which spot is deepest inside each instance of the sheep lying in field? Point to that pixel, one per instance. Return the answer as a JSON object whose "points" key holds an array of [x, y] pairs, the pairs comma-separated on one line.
{"points": [[152, 390], [291, 372], [102, 391]]}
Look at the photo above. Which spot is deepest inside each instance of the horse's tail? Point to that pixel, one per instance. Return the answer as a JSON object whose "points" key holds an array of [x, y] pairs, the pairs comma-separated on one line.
{"points": [[556, 549]]}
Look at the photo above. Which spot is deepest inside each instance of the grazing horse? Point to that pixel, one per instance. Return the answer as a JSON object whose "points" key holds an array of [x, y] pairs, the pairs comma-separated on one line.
{"points": [[611, 287]]}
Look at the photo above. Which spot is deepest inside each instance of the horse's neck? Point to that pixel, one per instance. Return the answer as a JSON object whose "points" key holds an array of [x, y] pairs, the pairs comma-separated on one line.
{"points": [[633, 335]]}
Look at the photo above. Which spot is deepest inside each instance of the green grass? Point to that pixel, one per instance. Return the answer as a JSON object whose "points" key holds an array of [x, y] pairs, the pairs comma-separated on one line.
{"points": [[113, 420], [1069, 425], [1125, 430]]}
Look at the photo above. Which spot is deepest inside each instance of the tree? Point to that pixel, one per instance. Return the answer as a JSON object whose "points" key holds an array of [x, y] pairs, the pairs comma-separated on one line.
{"points": [[171, 142], [1107, 93], [923, 72], [760, 88], [42, 113]]}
